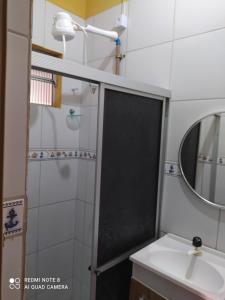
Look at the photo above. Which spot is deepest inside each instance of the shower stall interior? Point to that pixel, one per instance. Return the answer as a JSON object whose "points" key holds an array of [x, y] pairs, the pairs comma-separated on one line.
{"points": [[94, 181]]}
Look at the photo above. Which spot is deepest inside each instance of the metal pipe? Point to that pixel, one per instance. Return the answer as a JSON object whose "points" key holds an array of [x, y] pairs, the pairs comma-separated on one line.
{"points": [[118, 56], [99, 31]]}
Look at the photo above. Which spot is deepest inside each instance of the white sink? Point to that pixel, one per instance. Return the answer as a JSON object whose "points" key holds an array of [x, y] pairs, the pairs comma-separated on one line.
{"points": [[169, 257]]}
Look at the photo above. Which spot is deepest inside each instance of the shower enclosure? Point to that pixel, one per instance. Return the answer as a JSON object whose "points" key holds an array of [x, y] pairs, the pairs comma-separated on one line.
{"points": [[94, 181]]}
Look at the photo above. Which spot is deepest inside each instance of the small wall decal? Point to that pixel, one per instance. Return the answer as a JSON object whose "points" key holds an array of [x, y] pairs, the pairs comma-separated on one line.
{"points": [[13, 217], [172, 168]]}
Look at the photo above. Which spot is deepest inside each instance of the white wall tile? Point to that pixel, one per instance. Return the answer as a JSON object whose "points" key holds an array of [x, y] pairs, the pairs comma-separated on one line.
{"points": [[32, 231], [56, 223], [78, 254], [98, 46], [18, 16], [33, 183], [88, 98], [83, 171], [182, 115], [31, 265], [35, 126], [150, 65], [56, 261], [76, 289], [199, 67], [71, 91], [38, 34], [58, 181], [203, 177], [90, 181], [221, 233], [57, 294], [86, 262], [79, 220], [93, 128], [219, 190], [85, 292], [84, 127], [221, 150], [194, 17], [106, 64], [86, 181], [88, 224], [82, 261], [15, 116], [88, 127], [150, 22], [56, 132], [185, 215]]}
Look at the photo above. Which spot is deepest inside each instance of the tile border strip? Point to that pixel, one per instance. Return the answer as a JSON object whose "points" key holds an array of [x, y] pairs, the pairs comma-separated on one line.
{"points": [[208, 160], [172, 168], [60, 154]]}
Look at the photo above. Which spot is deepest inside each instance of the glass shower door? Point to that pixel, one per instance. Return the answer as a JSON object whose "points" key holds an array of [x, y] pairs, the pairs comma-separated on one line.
{"points": [[61, 187], [127, 186]]}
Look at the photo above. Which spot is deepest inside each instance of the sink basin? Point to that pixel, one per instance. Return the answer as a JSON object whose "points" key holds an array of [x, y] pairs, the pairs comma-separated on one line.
{"points": [[192, 268], [170, 258]]}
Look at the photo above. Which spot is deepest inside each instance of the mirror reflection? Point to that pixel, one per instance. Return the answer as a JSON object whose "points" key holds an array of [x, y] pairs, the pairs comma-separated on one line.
{"points": [[202, 158]]}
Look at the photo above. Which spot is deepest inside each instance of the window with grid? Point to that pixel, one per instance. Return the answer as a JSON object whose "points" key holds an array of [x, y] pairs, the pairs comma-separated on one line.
{"points": [[46, 87], [42, 90]]}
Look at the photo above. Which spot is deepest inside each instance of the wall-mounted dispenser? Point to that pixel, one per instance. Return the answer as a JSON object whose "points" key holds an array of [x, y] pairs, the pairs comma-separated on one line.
{"points": [[73, 120]]}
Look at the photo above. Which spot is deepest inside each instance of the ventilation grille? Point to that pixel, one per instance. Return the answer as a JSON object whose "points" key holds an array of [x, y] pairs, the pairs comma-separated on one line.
{"points": [[42, 88]]}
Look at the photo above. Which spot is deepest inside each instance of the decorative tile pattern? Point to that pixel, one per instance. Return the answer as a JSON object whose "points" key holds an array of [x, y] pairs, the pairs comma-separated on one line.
{"points": [[204, 158], [13, 217], [209, 160], [221, 160], [172, 168], [52, 154]]}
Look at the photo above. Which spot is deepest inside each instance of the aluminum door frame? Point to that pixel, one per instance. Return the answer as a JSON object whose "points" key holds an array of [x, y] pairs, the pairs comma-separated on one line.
{"points": [[106, 80], [94, 269]]}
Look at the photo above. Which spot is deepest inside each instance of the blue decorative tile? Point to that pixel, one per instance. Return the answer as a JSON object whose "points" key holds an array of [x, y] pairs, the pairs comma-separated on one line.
{"points": [[172, 168], [13, 217]]}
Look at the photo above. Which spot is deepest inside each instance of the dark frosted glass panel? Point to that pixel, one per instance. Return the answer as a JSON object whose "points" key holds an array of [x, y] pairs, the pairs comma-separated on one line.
{"points": [[130, 163], [114, 284]]}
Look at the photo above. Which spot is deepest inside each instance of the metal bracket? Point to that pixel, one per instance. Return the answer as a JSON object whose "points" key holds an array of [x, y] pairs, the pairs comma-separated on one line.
{"points": [[97, 272]]}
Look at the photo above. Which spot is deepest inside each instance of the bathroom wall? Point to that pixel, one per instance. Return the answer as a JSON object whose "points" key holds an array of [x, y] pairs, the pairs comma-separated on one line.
{"points": [[178, 44], [15, 135], [61, 176], [100, 50]]}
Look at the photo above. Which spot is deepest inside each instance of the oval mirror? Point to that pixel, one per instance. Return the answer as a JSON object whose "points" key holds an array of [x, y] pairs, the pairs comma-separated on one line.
{"points": [[202, 159]]}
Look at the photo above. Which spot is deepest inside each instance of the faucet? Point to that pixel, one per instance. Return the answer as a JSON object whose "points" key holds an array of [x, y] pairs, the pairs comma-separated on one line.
{"points": [[197, 243]]}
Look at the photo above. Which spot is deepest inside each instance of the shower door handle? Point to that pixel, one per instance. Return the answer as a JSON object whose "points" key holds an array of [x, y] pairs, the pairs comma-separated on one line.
{"points": [[96, 271]]}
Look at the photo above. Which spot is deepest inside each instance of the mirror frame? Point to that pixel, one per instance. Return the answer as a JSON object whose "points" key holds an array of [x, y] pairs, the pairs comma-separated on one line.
{"points": [[219, 206]]}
